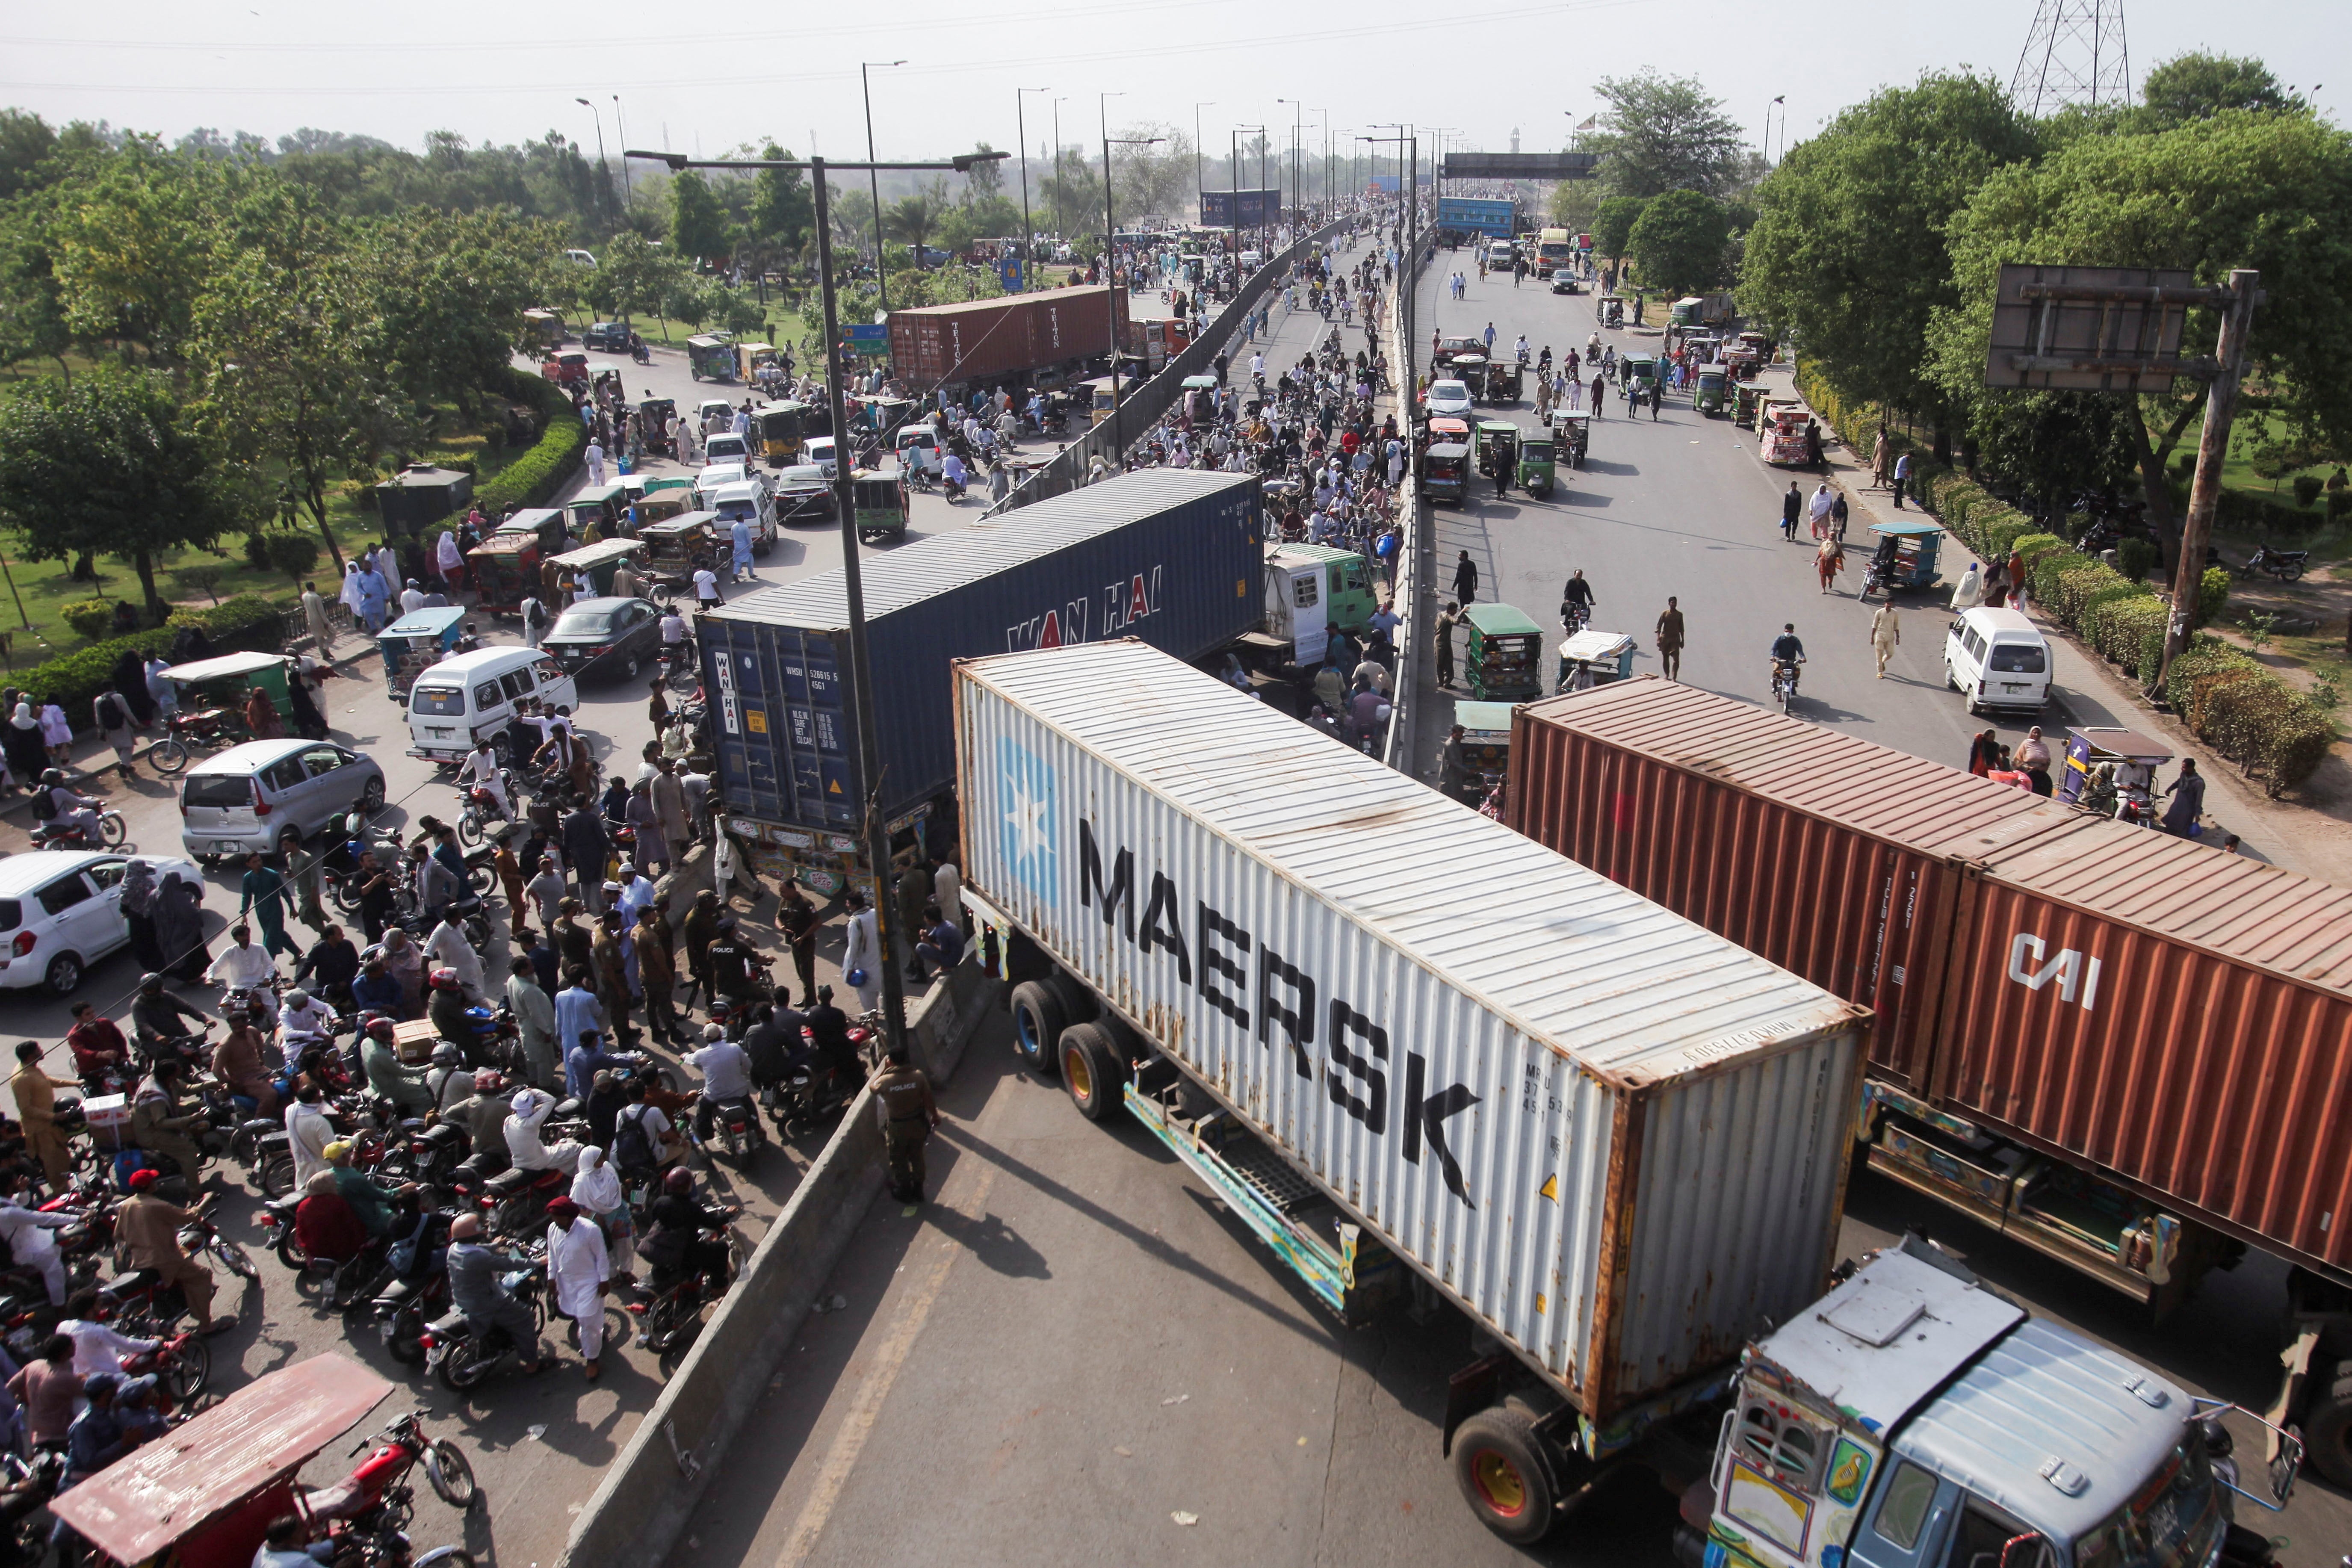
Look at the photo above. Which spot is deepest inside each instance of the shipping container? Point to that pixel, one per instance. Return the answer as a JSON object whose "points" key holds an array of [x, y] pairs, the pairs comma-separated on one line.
{"points": [[2145, 1010], [1616, 1139], [1475, 215], [1005, 337], [1171, 556]]}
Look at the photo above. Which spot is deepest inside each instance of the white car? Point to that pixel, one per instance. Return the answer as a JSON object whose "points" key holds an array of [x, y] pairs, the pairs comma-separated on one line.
{"points": [[1997, 658], [747, 500], [60, 913], [1448, 398], [818, 451], [727, 448]]}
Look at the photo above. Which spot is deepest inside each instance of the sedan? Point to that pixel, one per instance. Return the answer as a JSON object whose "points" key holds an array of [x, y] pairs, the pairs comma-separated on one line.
{"points": [[612, 635], [59, 912], [1566, 283], [803, 495], [1448, 398]]}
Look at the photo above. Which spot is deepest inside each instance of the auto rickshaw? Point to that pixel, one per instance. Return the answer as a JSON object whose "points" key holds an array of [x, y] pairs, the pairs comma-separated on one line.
{"points": [[1612, 310], [1444, 430], [1747, 397], [542, 330], [566, 367], [1782, 433], [600, 507], [219, 685], [1686, 312], [1535, 462], [1505, 657], [1486, 747], [661, 505], [1201, 398], [2135, 756], [657, 421], [1504, 381], [1909, 550], [204, 1496], [1637, 372], [749, 357], [676, 549], [1444, 472], [1496, 448], [1593, 658], [419, 640], [544, 523], [592, 565], [505, 572], [878, 504], [711, 356], [1470, 370], [1572, 429], [885, 416], [1707, 388]]}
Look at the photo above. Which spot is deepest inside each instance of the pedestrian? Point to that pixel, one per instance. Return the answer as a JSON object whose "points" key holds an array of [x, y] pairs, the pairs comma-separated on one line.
{"points": [[580, 1269], [1902, 478], [1670, 639], [861, 952], [2187, 793], [314, 611], [595, 456], [2017, 579], [1829, 561], [261, 716], [1447, 620], [1792, 506], [263, 892], [1984, 755], [796, 921], [112, 715], [2033, 759], [36, 1113], [1839, 513], [1881, 459], [56, 734], [1466, 578], [1885, 636], [1818, 509], [902, 1098], [534, 1014]]}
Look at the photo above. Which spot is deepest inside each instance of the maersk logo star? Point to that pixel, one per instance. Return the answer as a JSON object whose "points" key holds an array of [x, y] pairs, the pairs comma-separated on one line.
{"points": [[1027, 810]]}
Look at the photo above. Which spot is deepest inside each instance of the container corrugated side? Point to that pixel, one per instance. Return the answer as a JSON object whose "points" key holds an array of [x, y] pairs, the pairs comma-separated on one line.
{"points": [[1170, 556], [984, 338], [1510, 1068]]}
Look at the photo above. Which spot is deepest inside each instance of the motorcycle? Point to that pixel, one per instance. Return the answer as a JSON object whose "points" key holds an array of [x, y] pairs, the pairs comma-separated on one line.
{"points": [[2287, 566], [72, 836], [380, 1486], [670, 1318], [481, 809], [463, 1358], [1784, 683]]}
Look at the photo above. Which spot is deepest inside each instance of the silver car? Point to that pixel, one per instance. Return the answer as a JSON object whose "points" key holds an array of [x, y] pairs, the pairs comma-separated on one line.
{"points": [[246, 798]]}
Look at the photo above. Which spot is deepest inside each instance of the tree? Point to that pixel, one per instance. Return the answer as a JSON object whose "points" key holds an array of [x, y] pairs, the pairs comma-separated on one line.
{"points": [[2198, 85], [983, 180], [132, 251], [633, 275], [912, 219], [1846, 254], [445, 292], [110, 463], [2271, 191], [1664, 133], [1678, 242], [26, 143], [1612, 224], [698, 229], [783, 210]]}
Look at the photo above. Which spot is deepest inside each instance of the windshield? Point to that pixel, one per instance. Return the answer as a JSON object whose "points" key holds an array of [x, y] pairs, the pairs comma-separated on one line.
{"points": [[2017, 658], [739, 510], [441, 701], [1452, 389], [799, 476], [2170, 1522], [584, 624], [216, 789], [725, 447]]}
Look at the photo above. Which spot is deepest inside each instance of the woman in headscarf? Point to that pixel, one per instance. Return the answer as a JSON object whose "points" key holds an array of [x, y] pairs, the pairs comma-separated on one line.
{"points": [[309, 722], [21, 743], [451, 560], [130, 680], [180, 924], [56, 732], [596, 1188], [261, 716], [139, 898]]}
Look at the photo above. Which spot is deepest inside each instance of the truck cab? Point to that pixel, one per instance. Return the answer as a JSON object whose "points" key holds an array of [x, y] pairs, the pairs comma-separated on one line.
{"points": [[1914, 1418], [1311, 589]]}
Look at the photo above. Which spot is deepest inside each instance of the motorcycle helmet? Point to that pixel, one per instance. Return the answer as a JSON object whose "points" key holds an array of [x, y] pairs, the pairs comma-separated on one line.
{"points": [[53, 775], [680, 1181], [150, 982], [488, 1081], [444, 979], [445, 1054], [857, 977], [380, 1029]]}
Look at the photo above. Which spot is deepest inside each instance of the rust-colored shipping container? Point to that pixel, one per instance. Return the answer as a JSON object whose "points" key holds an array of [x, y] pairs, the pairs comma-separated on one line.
{"points": [[2172, 1019], [981, 339]]}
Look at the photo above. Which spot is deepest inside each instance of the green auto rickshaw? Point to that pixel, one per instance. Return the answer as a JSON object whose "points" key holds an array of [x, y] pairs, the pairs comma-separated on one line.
{"points": [[1708, 388], [1495, 444], [878, 505], [592, 566], [1505, 657], [1536, 463], [1485, 748], [711, 356], [1571, 430], [1637, 372], [225, 681]]}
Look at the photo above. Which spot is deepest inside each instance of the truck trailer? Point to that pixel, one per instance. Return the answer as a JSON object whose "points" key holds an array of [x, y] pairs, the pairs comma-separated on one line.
{"points": [[1477, 215], [1005, 340], [1616, 1141]]}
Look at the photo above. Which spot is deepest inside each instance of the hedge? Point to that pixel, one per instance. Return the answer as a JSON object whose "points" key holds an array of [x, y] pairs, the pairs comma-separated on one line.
{"points": [[532, 479], [247, 623]]}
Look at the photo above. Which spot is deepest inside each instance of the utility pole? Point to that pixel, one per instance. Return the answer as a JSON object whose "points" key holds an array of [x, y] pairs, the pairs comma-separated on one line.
{"points": [[621, 130], [874, 187], [1110, 277], [600, 142], [2213, 449], [1028, 235], [1200, 185], [872, 829]]}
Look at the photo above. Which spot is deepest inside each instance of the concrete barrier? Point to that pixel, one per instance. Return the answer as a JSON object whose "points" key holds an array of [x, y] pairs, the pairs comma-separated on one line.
{"points": [[650, 1490]]}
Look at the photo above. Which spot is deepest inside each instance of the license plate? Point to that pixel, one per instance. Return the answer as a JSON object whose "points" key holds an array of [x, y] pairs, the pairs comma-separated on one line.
{"points": [[228, 846], [2011, 686]]}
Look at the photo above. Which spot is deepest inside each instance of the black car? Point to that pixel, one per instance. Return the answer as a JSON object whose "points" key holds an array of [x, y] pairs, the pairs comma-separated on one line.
{"points": [[803, 494], [614, 635], [607, 337], [1566, 283]]}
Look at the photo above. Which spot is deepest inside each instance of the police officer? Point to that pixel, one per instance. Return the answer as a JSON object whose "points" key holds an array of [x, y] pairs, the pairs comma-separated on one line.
{"points": [[903, 1098]]}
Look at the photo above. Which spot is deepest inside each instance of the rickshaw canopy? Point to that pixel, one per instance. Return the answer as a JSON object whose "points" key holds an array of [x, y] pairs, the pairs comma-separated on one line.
{"points": [[1448, 428], [1500, 621], [1594, 658], [1484, 718], [253, 669], [1200, 384], [544, 523], [190, 1480], [598, 557]]}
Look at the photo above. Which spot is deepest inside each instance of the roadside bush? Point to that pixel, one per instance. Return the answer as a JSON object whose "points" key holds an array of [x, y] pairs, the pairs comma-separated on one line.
{"points": [[90, 618], [535, 476], [2306, 488], [2129, 629], [246, 622], [2212, 592], [256, 550], [2339, 505], [293, 553], [2248, 714], [2138, 557]]}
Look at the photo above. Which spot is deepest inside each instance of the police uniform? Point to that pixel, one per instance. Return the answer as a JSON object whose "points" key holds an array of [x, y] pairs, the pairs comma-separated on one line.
{"points": [[903, 1098]]}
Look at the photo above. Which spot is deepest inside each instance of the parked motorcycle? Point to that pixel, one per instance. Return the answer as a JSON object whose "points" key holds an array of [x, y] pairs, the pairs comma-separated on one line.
{"points": [[2287, 566]]}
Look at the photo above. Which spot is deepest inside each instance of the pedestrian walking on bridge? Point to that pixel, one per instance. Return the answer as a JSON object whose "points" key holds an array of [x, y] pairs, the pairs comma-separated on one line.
{"points": [[1670, 639], [1886, 636], [1466, 578]]}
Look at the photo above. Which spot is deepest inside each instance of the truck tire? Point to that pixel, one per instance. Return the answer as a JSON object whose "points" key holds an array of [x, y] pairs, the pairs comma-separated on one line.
{"points": [[1499, 1464], [1090, 1071], [2327, 1429], [1038, 1020]]}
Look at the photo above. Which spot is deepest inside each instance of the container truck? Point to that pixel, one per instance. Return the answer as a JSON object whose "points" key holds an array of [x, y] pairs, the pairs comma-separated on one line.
{"points": [[1476, 214], [1005, 340], [1171, 556], [1615, 1141], [2121, 1049], [1555, 249]]}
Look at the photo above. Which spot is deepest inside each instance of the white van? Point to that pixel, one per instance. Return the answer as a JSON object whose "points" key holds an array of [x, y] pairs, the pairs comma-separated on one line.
{"points": [[748, 501], [727, 448], [459, 700], [1996, 659]]}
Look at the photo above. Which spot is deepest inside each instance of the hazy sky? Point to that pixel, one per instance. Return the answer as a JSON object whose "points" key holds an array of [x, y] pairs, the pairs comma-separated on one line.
{"points": [[688, 79]]}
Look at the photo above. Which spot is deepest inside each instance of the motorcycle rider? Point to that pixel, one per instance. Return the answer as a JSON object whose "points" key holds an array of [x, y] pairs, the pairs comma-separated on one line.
{"points": [[726, 1072], [674, 1242], [67, 809], [403, 1086], [1788, 653], [477, 1289], [1521, 350], [530, 1108], [156, 1015], [828, 1029], [1577, 594], [98, 1047], [481, 767], [452, 1022], [953, 476], [449, 1079]]}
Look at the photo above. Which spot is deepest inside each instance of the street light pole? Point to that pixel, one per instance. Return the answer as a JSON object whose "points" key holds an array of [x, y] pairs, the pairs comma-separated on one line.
{"points": [[1198, 187], [621, 130], [1783, 101], [875, 833], [1261, 192], [600, 135], [1297, 135], [874, 183], [1028, 235], [1110, 273], [1061, 229]]}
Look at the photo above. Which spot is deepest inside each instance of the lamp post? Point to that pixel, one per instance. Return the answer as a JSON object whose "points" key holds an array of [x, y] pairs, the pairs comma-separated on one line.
{"points": [[1405, 140], [1028, 236], [621, 131], [1198, 187], [1061, 229], [874, 183], [1297, 136], [1237, 190], [1783, 103], [1110, 270], [600, 132], [873, 831]]}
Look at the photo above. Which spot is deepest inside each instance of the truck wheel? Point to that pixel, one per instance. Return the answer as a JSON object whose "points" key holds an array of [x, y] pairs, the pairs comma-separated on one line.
{"points": [[1038, 1023], [2327, 1430], [1499, 1467], [1090, 1072]]}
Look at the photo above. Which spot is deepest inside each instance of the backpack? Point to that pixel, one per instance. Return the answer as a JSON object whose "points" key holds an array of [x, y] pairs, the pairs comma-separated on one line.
{"points": [[633, 1146]]}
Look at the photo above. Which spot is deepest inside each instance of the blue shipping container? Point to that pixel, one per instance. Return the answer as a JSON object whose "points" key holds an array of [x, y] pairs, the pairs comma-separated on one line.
{"points": [[1172, 557], [1474, 215]]}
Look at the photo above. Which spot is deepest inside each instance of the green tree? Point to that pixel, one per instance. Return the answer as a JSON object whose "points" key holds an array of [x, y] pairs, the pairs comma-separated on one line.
{"points": [[108, 463], [782, 214], [2198, 85], [633, 275], [133, 252], [1664, 133], [446, 293], [1612, 224], [1678, 242], [912, 219], [983, 180], [26, 143], [2271, 191], [1846, 254], [698, 229]]}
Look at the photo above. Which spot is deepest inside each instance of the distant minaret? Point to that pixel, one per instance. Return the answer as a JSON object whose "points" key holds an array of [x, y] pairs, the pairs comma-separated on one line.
{"points": [[1515, 138], [2074, 54]]}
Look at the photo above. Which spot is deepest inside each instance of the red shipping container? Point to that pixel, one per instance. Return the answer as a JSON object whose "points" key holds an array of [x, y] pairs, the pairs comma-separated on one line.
{"points": [[2178, 1019], [984, 338]]}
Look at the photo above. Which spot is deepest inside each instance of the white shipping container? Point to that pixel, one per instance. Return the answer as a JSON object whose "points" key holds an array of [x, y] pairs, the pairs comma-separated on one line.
{"points": [[1616, 1138]]}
